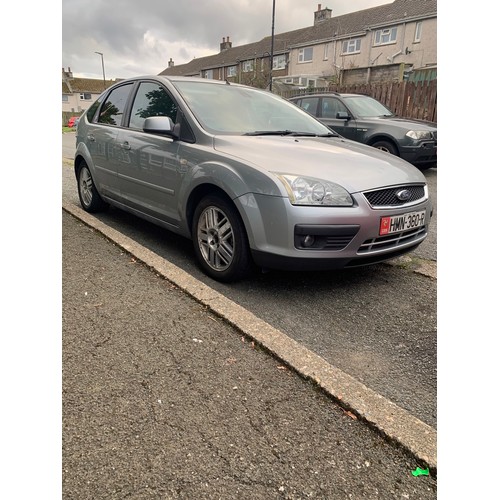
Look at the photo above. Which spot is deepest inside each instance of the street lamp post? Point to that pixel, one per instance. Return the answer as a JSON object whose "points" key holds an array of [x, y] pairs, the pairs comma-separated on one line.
{"points": [[272, 50], [103, 74]]}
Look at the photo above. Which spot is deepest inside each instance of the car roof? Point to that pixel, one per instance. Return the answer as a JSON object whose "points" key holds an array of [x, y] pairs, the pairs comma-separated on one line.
{"points": [[327, 94]]}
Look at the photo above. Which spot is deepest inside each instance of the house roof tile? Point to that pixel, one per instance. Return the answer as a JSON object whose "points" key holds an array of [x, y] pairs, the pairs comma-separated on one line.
{"points": [[335, 27], [85, 85]]}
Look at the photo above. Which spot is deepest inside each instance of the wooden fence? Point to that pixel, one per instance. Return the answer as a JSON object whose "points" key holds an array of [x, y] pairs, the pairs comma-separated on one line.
{"points": [[416, 100]]}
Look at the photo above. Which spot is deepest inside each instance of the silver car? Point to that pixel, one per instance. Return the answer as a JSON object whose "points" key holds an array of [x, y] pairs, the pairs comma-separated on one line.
{"points": [[251, 178]]}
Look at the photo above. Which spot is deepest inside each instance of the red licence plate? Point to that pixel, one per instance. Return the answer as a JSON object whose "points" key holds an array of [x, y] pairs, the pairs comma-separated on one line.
{"points": [[398, 223]]}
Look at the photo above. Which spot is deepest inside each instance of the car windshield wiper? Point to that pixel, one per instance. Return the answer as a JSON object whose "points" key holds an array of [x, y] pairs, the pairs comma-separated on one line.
{"points": [[329, 134], [271, 132], [289, 132]]}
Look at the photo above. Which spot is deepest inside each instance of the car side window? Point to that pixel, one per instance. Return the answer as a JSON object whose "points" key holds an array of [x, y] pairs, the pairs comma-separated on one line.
{"points": [[112, 110], [330, 106], [310, 105], [151, 100]]}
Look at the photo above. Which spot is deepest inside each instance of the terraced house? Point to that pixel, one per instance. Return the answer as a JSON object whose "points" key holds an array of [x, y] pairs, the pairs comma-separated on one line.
{"points": [[391, 42], [78, 94]]}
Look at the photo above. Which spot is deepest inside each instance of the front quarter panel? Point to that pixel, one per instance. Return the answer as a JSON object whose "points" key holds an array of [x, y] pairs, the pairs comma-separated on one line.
{"points": [[205, 169]]}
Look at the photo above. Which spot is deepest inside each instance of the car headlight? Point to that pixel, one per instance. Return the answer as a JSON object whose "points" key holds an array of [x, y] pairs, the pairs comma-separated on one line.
{"points": [[311, 191], [419, 135]]}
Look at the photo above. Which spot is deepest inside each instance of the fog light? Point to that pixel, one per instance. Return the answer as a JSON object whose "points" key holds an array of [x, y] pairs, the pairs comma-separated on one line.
{"points": [[308, 241]]}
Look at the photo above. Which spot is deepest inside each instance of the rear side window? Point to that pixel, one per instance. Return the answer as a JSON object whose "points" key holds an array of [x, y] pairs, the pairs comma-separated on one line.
{"points": [[310, 105], [92, 110], [113, 108], [151, 100]]}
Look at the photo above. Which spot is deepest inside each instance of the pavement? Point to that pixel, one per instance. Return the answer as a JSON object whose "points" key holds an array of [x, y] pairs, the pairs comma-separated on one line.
{"points": [[171, 390]]}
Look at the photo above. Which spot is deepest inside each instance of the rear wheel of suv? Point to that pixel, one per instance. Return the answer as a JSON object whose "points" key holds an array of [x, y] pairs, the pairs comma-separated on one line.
{"points": [[90, 199], [220, 240], [386, 146]]}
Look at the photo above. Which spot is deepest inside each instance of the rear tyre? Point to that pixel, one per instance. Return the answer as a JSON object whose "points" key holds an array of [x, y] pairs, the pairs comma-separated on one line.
{"points": [[90, 199], [220, 240], [386, 146]]}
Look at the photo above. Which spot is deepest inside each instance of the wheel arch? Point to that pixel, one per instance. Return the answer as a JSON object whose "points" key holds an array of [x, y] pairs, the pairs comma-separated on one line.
{"points": [[200, 192]]}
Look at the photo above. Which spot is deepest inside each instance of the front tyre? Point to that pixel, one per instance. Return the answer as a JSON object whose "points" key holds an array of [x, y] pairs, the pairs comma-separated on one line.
{"points": [[386, 146], [220, 240], [90, 199]]}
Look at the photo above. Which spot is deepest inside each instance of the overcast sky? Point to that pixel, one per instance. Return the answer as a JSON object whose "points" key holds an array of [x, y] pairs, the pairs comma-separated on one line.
{"points": [[139, 37]]}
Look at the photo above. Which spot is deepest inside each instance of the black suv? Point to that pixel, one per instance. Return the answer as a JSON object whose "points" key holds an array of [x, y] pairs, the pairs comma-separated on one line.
{"points": [[364, 119]]}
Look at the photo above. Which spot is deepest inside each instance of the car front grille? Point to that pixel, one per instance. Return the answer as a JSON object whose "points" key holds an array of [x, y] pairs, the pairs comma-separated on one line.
{"points": [[387, 197], [392, 241]]}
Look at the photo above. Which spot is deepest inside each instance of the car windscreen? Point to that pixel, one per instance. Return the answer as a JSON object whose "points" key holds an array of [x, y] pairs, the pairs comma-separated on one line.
{"points": [[366, 107], [233, 109]]}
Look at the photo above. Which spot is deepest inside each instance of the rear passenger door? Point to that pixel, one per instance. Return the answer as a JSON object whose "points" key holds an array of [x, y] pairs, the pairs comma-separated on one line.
{"points": [[101, 139], [148, 168]]}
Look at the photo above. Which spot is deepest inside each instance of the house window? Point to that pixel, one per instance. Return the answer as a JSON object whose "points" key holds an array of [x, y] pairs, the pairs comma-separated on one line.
{"points": [[209, 73], [65, 98], [305, 55], [231, 71], [351, 46], [247, 66], [325, 52], [85, 96], [279, 62], [418, 32], [386, 36]]}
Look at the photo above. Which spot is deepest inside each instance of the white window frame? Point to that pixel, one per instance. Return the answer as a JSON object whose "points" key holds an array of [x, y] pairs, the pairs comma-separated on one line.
{"points": [[209, 73], [325, 52], [65, 98], [232, 71], [279, 62], [85, 96], [304, 53], [351, 46], [248, 66], [386, 36], [418, 32]]}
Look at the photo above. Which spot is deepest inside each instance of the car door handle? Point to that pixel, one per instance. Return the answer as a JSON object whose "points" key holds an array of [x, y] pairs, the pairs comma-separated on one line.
{"points": [[126, 145]]}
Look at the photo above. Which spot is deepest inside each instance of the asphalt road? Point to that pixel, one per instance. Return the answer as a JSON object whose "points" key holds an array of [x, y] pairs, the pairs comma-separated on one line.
{"points": [[377, 324], [162, 398]]}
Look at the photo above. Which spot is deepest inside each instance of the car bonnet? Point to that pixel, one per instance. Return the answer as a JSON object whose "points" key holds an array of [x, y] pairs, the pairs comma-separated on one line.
{"points": [[353, 165]]}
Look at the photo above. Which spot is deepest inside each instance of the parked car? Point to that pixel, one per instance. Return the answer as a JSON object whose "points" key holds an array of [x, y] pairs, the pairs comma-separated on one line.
{"points": [[252, 179], [364, 119], [73, 121]]}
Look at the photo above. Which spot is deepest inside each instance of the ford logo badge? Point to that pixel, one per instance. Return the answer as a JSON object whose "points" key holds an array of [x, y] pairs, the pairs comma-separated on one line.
{"points": [[403, 195]]}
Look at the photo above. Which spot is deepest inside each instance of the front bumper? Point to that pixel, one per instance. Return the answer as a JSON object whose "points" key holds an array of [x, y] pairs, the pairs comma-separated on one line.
{"points": [[339, 236], [422, 154]]}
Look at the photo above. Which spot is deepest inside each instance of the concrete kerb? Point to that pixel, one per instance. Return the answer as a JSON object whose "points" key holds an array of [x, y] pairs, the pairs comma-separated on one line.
{"points": [[393, 422]]}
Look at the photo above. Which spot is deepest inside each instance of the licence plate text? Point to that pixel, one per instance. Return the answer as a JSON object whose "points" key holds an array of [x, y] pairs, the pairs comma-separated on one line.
{"points": [[398, 223]]}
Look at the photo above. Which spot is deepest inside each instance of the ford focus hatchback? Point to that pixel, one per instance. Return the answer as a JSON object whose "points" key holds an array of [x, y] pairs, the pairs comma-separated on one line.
{"points": [[250, 178]]}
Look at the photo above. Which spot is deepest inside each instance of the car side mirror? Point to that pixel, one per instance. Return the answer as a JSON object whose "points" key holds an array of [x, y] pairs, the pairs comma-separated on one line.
{"points": [[162, 125], [343, 115]]}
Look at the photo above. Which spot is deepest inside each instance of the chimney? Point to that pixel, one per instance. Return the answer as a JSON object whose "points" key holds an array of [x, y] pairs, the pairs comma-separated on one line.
{"points": [[67, 74], [322, 14], [226, 44], [170, 63]]}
